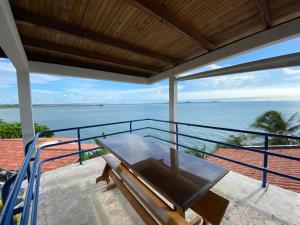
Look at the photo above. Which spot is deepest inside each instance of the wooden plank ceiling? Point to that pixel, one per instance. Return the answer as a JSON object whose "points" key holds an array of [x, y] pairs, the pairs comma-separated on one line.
{"points": [[140, 37]]}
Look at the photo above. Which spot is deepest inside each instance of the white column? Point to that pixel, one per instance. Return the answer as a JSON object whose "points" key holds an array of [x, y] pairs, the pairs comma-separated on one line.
{"points": [[172, 106], [12, 46], [25, 106]]}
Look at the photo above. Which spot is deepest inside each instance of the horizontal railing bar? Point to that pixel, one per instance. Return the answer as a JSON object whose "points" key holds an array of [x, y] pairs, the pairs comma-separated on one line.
{"points": [[67, 155], [90, 138], [180, 123], [227, 159], [283, 175], [207, 153], [92, 126], [227, 144], [229, 129], [207, 140]]}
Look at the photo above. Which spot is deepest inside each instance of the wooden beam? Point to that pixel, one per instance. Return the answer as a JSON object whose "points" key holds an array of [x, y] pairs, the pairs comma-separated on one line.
{"points": [[46, 45], [22, 15], [289, 60], [264, 12], [265, 38], [40, 57], [162, 14], [71, 71]]}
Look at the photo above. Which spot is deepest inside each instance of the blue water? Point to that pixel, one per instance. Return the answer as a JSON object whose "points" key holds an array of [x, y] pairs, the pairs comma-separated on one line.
{"points": [[238, 115]]}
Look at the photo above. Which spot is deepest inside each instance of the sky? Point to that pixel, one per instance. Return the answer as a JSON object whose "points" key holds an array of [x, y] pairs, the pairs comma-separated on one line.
{"points": [[279, 84]]}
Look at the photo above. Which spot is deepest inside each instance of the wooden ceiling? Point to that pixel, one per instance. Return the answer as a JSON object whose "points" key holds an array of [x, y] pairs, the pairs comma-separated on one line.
{"points": [[140, 37]]}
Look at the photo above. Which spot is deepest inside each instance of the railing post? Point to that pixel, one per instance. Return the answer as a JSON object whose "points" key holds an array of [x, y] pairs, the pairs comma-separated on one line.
{"points": [[130, 126], [79, 146], [265, 172], [176, 126]]}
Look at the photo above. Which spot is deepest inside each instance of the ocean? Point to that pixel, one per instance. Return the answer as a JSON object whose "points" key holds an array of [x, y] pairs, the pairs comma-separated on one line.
{"points": [[235, 114]]}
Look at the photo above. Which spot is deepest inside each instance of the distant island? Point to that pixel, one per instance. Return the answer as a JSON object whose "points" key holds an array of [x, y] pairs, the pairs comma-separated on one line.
{"points": [[7, 106]]}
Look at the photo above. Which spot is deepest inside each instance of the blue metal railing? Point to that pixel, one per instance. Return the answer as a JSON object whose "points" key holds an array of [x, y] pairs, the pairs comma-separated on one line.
{"points": [[34, 170]]}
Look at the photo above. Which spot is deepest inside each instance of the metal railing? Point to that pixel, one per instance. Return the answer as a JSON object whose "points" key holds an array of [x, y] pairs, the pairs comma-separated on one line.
{"points": [[32, 164]]}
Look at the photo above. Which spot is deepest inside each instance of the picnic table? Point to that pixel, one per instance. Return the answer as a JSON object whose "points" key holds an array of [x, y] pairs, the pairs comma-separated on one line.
{"points": [[171, 180]]}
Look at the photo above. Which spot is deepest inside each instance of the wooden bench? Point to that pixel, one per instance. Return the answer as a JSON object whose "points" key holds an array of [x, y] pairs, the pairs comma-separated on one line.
{"points": [[151, 208]]}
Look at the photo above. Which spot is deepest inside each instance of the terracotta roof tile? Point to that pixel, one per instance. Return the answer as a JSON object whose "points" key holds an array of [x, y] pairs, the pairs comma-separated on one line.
{"points": [[12, 153], [290, 167]]}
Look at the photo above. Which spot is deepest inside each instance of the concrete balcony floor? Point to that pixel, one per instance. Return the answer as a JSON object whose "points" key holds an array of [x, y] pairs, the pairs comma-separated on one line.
{"points": [[70, 196]]}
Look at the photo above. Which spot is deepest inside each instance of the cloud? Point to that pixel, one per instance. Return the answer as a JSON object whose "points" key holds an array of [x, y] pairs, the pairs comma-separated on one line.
{"points": [[214, 66], [201, 69], [232, 79], [290, 71], [7, 66], [228, 81], [37, 78], [271, 93], [146, 94], [43, 91], [7, 80]]}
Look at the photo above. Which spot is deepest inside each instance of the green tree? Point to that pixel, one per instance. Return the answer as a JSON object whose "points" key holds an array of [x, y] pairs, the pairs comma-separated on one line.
{"points": [[275, 123], [14, 130], [239, 140], [196, 153]]}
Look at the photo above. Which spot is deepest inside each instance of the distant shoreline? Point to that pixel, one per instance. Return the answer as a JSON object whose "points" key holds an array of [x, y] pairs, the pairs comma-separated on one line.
{"points": [[10, 106]]}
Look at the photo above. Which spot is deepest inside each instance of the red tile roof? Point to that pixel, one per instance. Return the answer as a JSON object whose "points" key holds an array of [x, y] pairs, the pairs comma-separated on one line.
{"points": [[12, 153], [290, 167]]}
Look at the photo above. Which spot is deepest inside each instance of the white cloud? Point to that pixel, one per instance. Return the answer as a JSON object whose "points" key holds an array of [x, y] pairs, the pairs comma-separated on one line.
{"points": [[214, 66], [290, 71], [232, 79], [201, 69], [281, 93], [37, 78], [43, 91], [6, 66], [229, 81], [7, 80], [147, 94]]}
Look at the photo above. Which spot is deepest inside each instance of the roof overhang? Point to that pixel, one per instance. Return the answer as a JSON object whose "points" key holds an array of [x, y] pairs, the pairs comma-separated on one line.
{"points": [[58, 39]]}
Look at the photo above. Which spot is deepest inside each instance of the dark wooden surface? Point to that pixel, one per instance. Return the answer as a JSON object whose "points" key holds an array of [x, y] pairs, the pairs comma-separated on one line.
{"points": [[162, 212], [179, 177], [211, 207]]}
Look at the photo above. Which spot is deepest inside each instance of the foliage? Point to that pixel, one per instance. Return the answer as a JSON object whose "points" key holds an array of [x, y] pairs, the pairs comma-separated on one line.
{"points": [[96, 153], [16, 218], [14, 130], [239, 140], [274, 122], [197, 152], [271, 122]]}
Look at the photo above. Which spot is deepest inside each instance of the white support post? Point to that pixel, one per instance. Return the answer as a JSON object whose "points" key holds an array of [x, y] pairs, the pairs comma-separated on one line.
{"points": [[25, 106], [172, 106], [12, 46]]}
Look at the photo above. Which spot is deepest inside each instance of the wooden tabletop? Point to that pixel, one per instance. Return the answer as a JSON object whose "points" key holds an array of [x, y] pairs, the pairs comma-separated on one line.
{"points": [[180, 177]]}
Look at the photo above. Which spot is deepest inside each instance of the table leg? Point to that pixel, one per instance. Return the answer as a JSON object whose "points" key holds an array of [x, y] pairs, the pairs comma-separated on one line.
{"points": [[180, 211], [105, 175]]}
